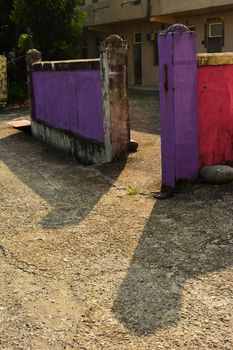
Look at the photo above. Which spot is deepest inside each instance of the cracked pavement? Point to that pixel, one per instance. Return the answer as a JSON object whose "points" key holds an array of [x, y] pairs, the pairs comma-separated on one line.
{"points": [[85, 265]]}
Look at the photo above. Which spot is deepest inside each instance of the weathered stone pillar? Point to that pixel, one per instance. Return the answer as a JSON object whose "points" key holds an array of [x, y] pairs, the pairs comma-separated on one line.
{"points": [[32, 56], [178, 105], [3, 81], [115, 96]]}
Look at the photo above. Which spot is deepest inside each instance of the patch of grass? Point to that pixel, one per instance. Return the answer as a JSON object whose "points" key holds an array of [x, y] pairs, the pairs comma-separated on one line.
{"points": [[132, 192]]}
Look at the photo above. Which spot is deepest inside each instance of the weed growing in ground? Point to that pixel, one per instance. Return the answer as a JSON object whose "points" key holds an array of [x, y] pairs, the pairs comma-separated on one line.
{"points": [[132, 192]]}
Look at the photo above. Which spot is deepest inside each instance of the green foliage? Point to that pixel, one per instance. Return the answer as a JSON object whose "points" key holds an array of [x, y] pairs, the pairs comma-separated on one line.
{"points": [[52, 23], [51, 26], [17, 92], [16, 81], [7, 27], [23, 42], [61, 49]]}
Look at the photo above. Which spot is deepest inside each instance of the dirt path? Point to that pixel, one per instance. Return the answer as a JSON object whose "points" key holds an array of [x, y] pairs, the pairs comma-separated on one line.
{"points": [[84, 265]]}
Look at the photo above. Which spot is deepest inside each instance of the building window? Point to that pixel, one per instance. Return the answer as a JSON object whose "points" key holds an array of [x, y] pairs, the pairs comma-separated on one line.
{"points": [[156, 51], [215, 39], [137, 38], [215, 30], [130, 2], [138, 58]]}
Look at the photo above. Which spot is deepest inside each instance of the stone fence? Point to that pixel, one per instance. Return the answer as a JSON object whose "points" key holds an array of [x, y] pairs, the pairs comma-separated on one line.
{"points": [[81, 106]]}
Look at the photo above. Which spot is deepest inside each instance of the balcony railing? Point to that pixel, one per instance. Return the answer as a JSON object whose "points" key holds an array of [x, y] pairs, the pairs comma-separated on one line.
{"points": [[170, 7], [112, 11]]}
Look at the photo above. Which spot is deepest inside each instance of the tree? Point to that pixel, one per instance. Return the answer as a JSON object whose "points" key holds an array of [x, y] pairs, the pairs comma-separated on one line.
{"points": [[7, 27], [55, 25]]}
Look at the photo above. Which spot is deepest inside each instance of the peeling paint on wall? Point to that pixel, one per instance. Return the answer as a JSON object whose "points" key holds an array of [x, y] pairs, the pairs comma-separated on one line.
{"points": [[3, 81]]}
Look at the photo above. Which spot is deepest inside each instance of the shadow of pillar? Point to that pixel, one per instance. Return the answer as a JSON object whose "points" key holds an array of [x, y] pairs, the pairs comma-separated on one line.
{"points": [[185, 237]]}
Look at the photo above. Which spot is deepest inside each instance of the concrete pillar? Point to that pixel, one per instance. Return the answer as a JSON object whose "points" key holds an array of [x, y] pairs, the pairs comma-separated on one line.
{"points": [[32, 56], [3, 81], [115, 96], [179, 108]]}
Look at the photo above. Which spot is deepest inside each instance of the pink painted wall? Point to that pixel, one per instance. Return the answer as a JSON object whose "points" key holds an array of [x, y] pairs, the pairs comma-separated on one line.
{"points": [[215, 109]]}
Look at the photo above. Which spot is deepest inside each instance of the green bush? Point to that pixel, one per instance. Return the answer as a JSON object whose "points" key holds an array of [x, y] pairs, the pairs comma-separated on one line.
{"points": [[17, 92]]}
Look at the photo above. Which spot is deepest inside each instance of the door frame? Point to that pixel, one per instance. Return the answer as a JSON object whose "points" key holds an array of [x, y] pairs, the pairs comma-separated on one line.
{"points": [[137, 44]]}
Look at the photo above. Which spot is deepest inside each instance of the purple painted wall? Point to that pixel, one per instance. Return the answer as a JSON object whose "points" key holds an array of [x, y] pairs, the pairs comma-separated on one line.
{"points": [[186, 107], [71, 101], [167, 113], [179, 114]]}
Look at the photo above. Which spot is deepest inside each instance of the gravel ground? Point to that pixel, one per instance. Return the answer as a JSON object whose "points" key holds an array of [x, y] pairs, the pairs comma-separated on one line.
{"points": [[85, 265]]}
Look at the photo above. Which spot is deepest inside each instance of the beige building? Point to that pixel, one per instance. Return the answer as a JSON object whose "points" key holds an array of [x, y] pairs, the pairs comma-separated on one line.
{"points": [[140, 21]]}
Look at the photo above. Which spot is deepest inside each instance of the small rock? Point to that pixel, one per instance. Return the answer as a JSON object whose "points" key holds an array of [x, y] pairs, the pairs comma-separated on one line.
{"points": [[132, 146], [40, 239], [217, 174]]}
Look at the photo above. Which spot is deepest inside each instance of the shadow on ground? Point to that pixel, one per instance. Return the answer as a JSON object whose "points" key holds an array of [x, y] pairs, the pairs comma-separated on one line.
{"points": [[70, 188], [185, 237]]}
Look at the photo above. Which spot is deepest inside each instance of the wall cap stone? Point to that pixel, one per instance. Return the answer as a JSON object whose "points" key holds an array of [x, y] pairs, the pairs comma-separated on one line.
{"points": [[214, 59], [67, 65]]}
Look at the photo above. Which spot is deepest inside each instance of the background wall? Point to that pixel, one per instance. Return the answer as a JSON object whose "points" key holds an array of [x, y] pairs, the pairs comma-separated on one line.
{"points": [[126, 31]]}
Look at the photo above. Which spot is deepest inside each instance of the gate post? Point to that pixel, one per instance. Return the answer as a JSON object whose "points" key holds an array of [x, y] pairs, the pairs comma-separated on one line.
{"points": [[178, 105], [114, 70], [32, 56]]}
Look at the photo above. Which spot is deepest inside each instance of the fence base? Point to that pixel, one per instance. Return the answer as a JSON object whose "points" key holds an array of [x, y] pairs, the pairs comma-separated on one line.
{"points": [[86, 151]]}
